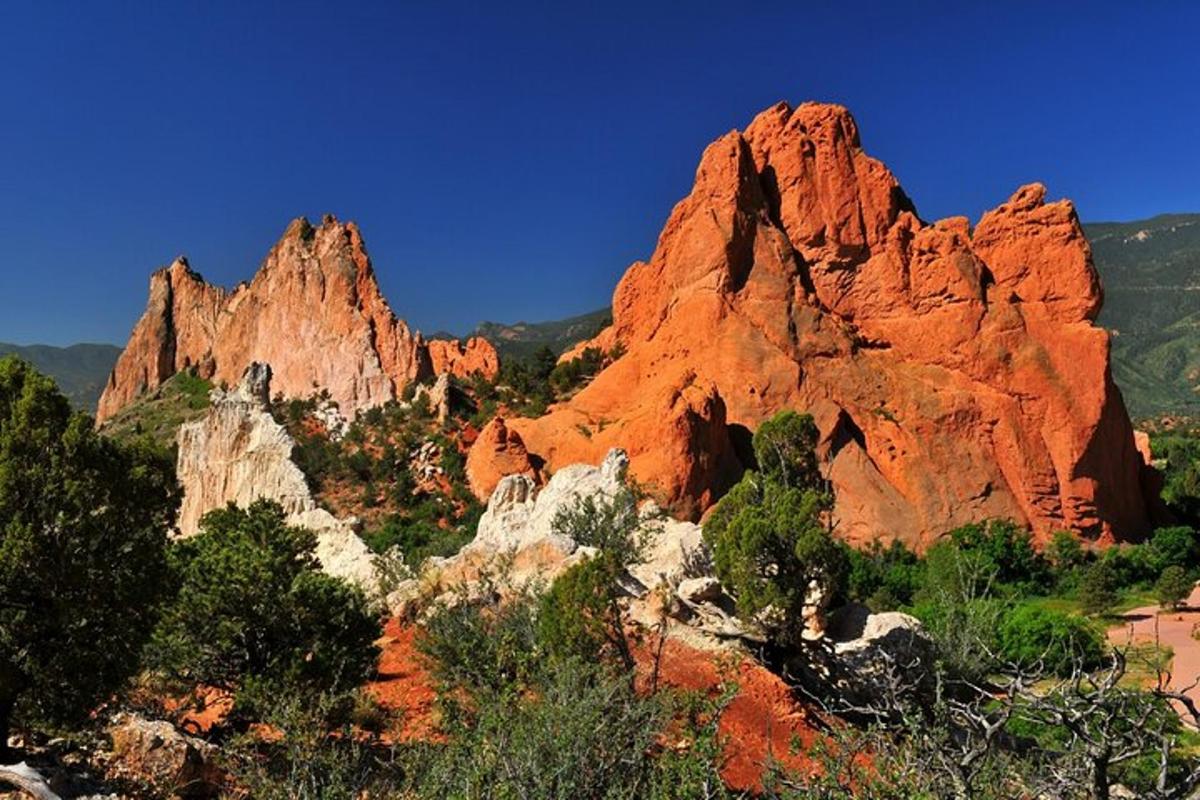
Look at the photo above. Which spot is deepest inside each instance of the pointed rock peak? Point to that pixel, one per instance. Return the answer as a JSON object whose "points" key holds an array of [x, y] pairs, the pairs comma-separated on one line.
{"points": [[255, 385], [1027, 198], [180, 270], [818, 117], [299, 228]]}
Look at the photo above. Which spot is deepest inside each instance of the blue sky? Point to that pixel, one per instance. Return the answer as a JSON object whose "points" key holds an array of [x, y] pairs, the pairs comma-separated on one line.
{"points": [[508, 161]]}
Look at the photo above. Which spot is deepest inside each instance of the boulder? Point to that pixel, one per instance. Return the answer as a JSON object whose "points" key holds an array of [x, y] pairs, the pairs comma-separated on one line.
{"points": [[498, 451], [871, 653], [313, 311], [155, 754]]}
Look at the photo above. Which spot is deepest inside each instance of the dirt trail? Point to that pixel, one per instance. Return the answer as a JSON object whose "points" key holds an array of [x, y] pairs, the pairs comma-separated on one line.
{"points": [[1172, 629]]}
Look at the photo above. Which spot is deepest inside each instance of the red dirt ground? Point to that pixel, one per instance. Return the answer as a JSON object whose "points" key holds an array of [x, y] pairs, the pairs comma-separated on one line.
{"points": [[759, 724], [1174, 629], [403, 684]]}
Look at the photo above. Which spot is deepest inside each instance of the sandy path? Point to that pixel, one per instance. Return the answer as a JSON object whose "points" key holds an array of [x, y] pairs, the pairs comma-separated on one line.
{"points": [[1174, 630]]}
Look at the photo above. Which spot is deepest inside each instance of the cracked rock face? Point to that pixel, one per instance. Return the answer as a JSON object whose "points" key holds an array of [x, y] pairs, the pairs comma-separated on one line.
{"points": [[314, 312], [955, 374], [237, 453]]}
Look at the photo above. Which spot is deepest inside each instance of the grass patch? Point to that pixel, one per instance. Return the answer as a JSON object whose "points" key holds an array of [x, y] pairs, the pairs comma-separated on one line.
{"points": [[160, 414]]}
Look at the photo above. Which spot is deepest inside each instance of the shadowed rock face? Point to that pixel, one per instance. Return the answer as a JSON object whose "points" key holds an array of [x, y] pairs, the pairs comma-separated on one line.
{"points": [[955, 374], [313, 312]]}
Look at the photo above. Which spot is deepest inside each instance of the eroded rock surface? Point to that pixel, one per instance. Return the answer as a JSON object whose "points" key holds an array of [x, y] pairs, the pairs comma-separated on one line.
{"points": [[237, 453], [497, 452], [955, 374], [519, 545], [155, 754], [313, 311]]}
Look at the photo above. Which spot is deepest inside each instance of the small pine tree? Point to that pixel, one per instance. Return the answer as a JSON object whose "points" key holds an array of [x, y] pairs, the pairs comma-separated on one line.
{"points": [[1097, 592], [1173, 587]]}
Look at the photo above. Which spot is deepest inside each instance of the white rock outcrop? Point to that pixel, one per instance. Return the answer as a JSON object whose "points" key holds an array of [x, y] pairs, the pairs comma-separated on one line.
{"points": [[518, 532], [237, 453]]}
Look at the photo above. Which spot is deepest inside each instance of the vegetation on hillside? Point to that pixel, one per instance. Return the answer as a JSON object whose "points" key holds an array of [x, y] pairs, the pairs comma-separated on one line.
{"points": [[521, 340], [158, 415], [540, 695], [1151, 274], [395, 467], [81, 370], [527, 387]]}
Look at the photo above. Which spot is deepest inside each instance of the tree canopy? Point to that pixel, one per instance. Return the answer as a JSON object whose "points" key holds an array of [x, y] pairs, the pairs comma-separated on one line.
{"points": [[83, 531]]}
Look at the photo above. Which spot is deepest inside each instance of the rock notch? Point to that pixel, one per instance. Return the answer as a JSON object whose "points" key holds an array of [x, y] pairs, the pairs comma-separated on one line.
{"points": [[955, 374], [314, 312]]}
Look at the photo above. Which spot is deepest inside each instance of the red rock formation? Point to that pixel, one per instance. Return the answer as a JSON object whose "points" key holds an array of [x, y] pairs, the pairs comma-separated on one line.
{"points": [[496, 452], [456, 358], [954, 375], [313, 312]]}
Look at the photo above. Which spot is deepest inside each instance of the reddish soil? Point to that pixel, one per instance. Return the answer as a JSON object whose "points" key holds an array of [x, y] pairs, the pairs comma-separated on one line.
{"points": [[1174, 629], [760, 724], [403, 685], [763, 723]]}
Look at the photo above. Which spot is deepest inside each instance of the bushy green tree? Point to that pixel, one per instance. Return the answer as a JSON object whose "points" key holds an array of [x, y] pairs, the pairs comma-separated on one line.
{"points": [[1009, 551], [883, 578], [1175, 547], [1098, 590], [255, 615], [1065, 551], [769, 536], [1032, 635], [1173, 587], [1181, 486], [83, 530]]}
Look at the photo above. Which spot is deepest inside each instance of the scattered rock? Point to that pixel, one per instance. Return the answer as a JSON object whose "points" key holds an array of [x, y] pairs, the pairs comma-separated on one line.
{"points": [[518, 533]]}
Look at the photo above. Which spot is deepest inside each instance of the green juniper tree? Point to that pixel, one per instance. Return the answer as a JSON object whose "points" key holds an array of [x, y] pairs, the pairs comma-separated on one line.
{"points": [[769, 536], [83, 532], [254, 615]]}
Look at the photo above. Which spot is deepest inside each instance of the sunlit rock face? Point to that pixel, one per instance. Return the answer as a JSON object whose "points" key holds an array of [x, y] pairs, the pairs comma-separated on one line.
{"points": [[955, 374], [314, 312]]}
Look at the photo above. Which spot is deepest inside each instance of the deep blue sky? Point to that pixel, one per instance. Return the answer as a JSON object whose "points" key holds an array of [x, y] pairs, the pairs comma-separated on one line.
{"points": [[508, 161]]}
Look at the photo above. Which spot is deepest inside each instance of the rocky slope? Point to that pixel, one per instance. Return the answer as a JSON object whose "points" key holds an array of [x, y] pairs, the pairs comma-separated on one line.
{"points": [[313, 312], [955, 373]]}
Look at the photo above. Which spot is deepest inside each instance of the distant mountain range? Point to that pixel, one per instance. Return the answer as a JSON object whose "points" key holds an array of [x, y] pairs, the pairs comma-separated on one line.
{"points": [[1151, 274], [80, 370], [523, 339], [1150, 269]]}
